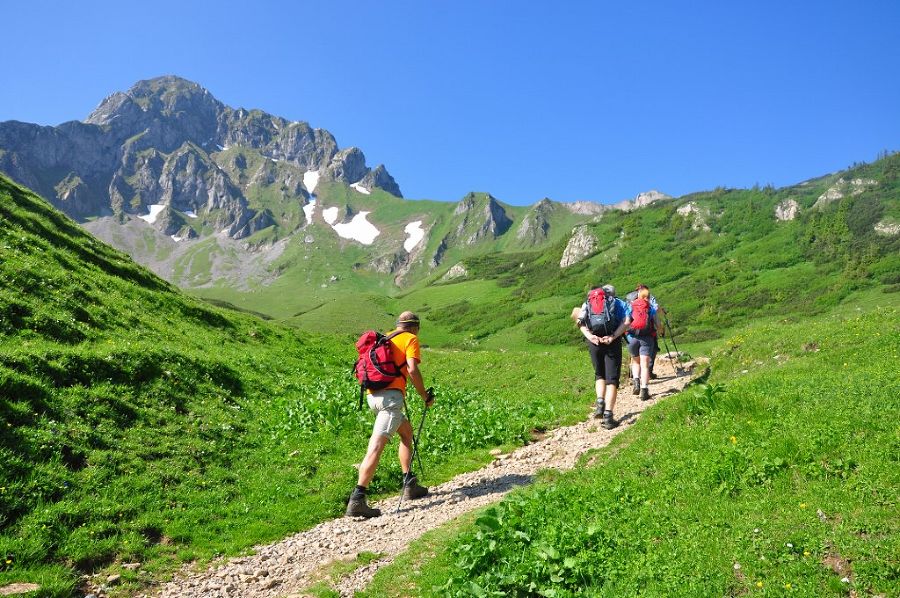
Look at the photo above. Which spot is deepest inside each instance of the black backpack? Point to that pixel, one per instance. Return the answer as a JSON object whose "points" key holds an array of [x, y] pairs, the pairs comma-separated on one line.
{"points": [[600, 315]]}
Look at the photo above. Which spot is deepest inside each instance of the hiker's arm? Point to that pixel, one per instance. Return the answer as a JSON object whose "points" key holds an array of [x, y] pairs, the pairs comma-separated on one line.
{"points": [[622, 328], [412, 366], [592, 338]]}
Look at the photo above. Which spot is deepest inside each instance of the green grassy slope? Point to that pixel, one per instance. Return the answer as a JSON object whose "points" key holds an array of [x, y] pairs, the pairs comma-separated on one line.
{"points": [[777, 478], [140, 425], [748, 265]]}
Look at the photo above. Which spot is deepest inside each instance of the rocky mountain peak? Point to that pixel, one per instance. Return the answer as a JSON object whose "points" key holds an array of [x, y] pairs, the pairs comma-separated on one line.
{"points": [[168, 142]]}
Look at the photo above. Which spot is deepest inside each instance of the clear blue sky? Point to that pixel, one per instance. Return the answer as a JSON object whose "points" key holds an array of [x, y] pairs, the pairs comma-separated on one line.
{"points": [[571, 100]]}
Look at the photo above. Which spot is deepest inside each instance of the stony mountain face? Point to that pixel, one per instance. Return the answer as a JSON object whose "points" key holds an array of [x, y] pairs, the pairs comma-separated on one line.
{"points": [[160, 143], [536, 224], [581, 244], [477, 217], [641, 200]]}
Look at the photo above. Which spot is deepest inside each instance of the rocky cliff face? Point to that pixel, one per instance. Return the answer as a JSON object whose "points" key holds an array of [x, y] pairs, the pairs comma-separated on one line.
{"points": [[154, 145], [536, 225], [641, 200], [582, 244], [477, 218]]}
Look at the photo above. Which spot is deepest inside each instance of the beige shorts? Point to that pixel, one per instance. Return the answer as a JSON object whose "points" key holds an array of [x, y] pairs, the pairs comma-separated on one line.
{"points": [[387, 405]]}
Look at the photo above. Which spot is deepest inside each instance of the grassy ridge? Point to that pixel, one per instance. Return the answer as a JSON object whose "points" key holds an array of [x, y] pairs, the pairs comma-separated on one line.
{"points": [[747, 265], [779, 477], [140, 425]]}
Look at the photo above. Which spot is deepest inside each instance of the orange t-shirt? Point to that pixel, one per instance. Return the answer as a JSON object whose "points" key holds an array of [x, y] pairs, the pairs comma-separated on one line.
{"points": [[403, 346]]}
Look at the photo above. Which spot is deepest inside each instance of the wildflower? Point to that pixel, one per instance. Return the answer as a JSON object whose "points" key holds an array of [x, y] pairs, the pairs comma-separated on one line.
{"points": [[805, 553], [759, 584], [787, 586], [803, 505], [9, 561], [734, 440]]}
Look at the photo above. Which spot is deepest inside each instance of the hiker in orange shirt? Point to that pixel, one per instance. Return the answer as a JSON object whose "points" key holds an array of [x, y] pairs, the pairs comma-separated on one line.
{"points": [[388, 404]]}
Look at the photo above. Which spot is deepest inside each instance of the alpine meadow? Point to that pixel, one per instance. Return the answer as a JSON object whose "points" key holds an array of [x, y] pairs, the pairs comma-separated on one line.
{"points": [[178, 312]]}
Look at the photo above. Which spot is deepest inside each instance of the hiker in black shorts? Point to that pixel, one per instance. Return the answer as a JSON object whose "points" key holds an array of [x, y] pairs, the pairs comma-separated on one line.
{"points": [[605, 347]]}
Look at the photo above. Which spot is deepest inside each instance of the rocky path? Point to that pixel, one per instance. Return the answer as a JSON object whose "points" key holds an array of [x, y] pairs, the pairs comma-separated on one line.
{"points": [[288, 567]]}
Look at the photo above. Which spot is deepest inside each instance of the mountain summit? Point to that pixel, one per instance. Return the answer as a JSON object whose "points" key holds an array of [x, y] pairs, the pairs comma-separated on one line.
{"points": [[160, 151]]}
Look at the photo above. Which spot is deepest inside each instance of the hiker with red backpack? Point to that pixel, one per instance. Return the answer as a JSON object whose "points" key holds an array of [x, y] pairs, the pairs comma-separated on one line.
{"points": [[659, 312], [602, 320], [385, 365], [643, 328]]}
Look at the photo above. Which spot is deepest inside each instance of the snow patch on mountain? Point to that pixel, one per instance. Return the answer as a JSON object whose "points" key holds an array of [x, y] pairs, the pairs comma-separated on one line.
{"points": [[190, 214], [360, 188], [155, 209], [310, 209], [310, 180], [416, 234], [358, 229], [330, 215]]}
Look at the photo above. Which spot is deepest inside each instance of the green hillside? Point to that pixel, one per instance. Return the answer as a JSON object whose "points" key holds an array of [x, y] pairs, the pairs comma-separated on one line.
{"points": [[140, 425], [715, 259], [779, 477], [747, 265]]}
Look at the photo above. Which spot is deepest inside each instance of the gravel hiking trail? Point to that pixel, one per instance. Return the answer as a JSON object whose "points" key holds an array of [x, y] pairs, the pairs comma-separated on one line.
{"points": [[289, 567]]}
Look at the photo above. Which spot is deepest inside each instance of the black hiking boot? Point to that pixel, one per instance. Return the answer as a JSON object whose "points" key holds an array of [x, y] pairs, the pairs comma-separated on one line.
{"points": [[653, 376], [645, 394], [412, 490], [601, 407], [636, 386], [608, 422], [357, 507]]}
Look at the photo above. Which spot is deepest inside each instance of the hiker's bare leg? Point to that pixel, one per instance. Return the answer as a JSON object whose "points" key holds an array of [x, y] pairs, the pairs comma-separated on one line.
{"points": [[600, 387], [370, 462], [635, 368], [405, 432], [645, 371], [611, 390]]}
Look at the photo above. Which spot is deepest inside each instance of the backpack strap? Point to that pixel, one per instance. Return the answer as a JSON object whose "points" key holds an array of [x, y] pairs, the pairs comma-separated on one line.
{"points": [[392, 335]]}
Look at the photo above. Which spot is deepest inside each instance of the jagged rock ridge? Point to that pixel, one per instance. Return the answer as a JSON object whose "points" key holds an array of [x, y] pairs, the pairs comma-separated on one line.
{"points": [[161, 143]]}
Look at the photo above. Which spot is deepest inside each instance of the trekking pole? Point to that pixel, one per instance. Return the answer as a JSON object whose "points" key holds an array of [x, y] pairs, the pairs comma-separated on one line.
{"points": [[415, 454], [672, 334], [416, 436], [675, 367]]}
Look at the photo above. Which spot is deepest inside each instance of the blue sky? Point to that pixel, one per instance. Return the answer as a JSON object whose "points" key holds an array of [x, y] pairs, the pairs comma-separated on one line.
{"points": [[569, 100]]}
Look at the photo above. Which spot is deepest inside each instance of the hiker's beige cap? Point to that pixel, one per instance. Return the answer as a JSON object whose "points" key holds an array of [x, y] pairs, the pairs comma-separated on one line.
{"points": [[408, 317]]}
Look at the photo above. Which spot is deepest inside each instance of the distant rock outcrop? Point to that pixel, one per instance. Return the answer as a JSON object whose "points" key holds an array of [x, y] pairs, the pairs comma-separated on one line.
{"points": [[698, 216], [535, 225], [585, 208], [582, 244], [787, 210], [641, 200], [841, 189], [457, 271], [888, 229]]}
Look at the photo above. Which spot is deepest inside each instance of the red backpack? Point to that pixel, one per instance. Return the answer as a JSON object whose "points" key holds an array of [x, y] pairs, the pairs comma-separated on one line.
{"points": [[376, 369], [641, 322]]}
